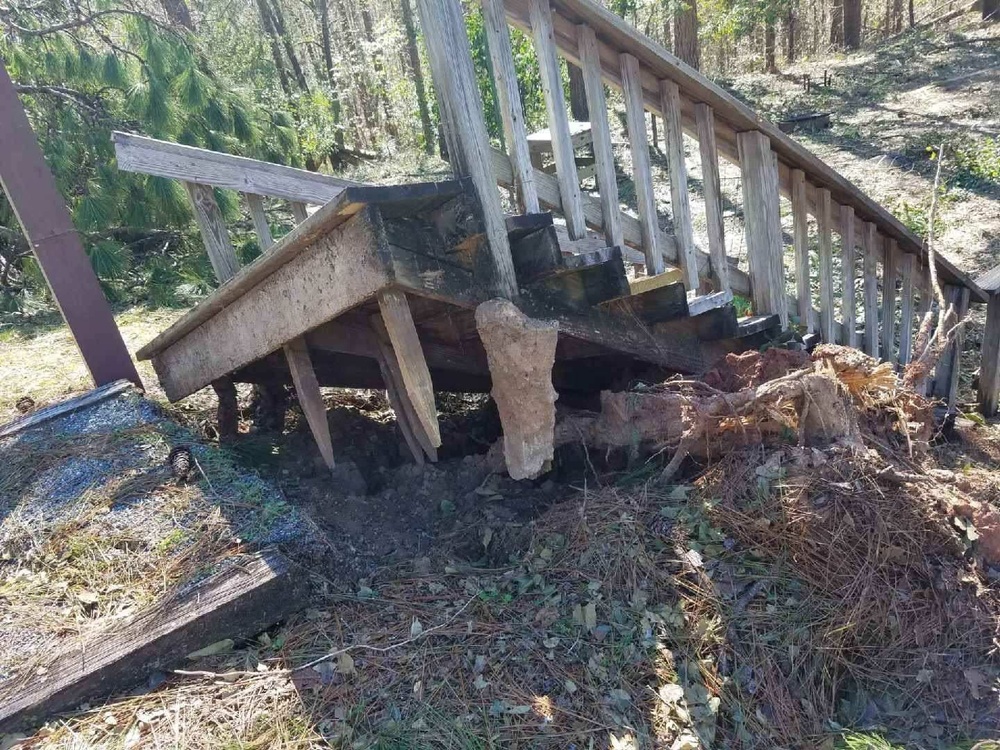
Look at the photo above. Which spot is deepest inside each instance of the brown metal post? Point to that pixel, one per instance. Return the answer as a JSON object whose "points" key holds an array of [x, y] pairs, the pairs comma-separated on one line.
{"points": [[46, 223]]}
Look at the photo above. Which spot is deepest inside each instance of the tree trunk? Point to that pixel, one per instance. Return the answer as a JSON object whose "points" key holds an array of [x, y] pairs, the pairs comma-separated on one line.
{"points": [[837, 24], [324, 24], [852, 23], [790, 34], [278, 17], [668, 38], [178, 13], [686, 34], [577, 94], [413, 53], [770, 61], [267, 24]]}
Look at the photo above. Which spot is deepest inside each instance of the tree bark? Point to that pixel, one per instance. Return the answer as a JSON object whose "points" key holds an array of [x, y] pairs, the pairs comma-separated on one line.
{"points": [[577, 94], [278, 17], [331, 79], [837, 24], [178, 13], [267, 24], [770, 61], [686, 34], [790, 34], [852, 24], [413, 53]]}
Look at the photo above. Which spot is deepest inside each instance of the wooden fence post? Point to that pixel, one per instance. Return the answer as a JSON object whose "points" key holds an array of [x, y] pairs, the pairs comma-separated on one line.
{"points": [[989, 368], [763, 224]]}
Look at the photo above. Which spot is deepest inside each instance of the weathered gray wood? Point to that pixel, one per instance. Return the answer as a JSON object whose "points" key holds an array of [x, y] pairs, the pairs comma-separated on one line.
{"points": [[259, 218], [712, 190], [872, 253], [447, 44], [410, 355], [680, 202], [989, 365], [48, 413], [763, 225], [555, 105], [509, 102], [890, 275], [213, 231], [136, 153], [310, 397], [604, 158], [949, 366], [299, 211], [642, 172], [907, 262], [800, 242], [238, 602], [848, 256], [824, 221]]}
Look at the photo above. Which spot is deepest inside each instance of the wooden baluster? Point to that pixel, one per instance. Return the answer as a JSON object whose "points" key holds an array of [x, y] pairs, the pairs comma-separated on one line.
{"points": [[213, 231], [946, 375], [555, 104], [848, 303], [299, 211], [890, 274], [800, 242], [642, 172], [511, 112], [824, 221], [763, 224], [604, 158], [259, 218], [711, 186], [450, 57], [989, 366], [680, 202], [907, 263], [871, 252]]}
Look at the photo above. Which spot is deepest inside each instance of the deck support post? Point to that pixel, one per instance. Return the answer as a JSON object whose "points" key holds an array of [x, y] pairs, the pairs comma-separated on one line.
{"points": [[763, 225], [310, 397], [521, 352], [989, 368], [450, 56], [227, 415]]}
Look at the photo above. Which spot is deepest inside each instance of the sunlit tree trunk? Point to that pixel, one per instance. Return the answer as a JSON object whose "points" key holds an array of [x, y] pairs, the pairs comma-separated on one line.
{"points": [[686, 34], [852, 24]]}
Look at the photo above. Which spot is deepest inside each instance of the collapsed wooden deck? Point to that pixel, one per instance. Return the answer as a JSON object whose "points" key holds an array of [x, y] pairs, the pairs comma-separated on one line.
{"points": [[379, 288]]}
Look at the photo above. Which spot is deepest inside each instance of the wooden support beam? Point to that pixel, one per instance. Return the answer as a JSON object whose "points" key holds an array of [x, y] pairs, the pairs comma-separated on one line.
{"points": [[763, 225], [604, 158], [310, 397], [413, 368], [872, 254], [555, 104], [848, 257], [228, 412], [824, 221], [213, 231], [240, 601], [713, 194], [642, 171], [299, 211], [989, 366], [680, 202], [907, 263], [890, 275], [509, 102], [800, 242], [259, 218], [447, 44]]}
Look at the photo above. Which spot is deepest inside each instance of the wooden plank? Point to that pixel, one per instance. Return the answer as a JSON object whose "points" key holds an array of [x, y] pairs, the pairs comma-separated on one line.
{"points": [[824, 219], [711, 187], [800, 242], [604, 158], [848, 256], [989, 365], [310, 397], [616, 35], [509, 103], [907, 262], [415, 375], [213, 231], [417, 439], [655, 305], [645, 283], [259, 218], [299, 211], [239, 601], [136, 153], [706, 302], [680, 201], [763, 227], [890, 275], [872, 254], [447, 45], [954, 354], [48, 413], [642, 173], [555, 105]]}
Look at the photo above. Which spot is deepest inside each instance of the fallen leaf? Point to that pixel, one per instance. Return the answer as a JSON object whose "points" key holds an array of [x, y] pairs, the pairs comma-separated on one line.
{"points": [[219, 647], [590, 616], [416, 628], [925, 676], [345, 664], [479, 683], [977, 680], [87, 598]]}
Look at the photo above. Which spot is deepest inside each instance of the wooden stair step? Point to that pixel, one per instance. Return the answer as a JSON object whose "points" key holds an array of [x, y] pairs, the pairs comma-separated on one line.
{"points": [[657, 305], [584, 280], [753, 324]]}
